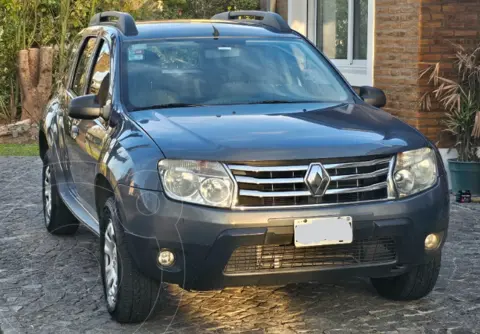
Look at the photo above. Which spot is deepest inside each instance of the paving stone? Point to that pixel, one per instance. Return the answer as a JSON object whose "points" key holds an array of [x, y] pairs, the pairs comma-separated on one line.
{"points": [[51, 284]]}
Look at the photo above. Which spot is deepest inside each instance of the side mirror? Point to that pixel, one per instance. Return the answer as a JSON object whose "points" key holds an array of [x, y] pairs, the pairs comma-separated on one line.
{"points": [[371, 95], [85, 107]]}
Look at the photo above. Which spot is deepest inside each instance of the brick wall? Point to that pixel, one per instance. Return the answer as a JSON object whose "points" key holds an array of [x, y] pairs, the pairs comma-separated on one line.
{"points": [[409, 34], [444, 22], [282, 8], [397, 32]]}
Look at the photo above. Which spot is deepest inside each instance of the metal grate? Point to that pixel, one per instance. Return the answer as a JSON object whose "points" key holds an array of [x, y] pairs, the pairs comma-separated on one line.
{"points": [[278, 184], [247, 259]]}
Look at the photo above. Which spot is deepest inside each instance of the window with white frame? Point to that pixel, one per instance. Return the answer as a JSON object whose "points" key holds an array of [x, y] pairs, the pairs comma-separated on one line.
{"points": [[342, 31]]}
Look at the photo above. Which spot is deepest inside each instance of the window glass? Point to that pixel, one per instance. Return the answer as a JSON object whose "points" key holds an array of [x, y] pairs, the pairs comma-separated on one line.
{"points": [[229, 71], [332, 28], [81, 74], [101, 68], [71, 59], [360, 33]]}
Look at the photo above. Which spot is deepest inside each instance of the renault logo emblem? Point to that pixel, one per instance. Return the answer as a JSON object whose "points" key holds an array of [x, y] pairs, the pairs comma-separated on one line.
{"points": [[317, 179]]}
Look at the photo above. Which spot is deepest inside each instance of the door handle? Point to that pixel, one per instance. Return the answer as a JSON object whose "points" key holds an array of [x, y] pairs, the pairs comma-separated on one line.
{"points": [[74, 131]]}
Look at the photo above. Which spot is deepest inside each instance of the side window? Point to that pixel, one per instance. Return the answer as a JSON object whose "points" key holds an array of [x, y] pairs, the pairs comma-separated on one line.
{"points": [[101, 69], [81, 73], [71, 59]]}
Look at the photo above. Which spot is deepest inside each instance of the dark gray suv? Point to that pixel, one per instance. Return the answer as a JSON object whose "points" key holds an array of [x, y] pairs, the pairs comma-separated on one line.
{"points": [[232, 152]]}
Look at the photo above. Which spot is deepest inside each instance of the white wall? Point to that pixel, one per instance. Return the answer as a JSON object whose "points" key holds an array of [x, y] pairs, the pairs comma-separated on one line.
{"points": [[297, 15]]}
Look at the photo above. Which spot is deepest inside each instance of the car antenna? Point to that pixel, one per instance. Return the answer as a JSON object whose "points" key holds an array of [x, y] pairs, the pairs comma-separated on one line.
{"points": [[216, 33]]}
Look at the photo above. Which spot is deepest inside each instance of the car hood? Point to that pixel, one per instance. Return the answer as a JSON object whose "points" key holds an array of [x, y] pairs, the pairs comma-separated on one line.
{"points": [[276, 132]]}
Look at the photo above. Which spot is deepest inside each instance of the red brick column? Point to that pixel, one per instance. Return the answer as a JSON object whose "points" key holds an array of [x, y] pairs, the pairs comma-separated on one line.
{"points": [[282, 8], [396, 56]]}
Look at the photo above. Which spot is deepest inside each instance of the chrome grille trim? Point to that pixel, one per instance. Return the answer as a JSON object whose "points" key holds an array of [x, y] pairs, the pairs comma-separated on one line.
{"points": [[359, 176], [375, 186], [253, 180], [255, 193], [357, 164], [274, 186], [248, 168], [268, 168]]}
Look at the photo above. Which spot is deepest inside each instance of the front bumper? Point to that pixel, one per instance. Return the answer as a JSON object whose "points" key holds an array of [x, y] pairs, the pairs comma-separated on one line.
{"points": [[203, 239]]}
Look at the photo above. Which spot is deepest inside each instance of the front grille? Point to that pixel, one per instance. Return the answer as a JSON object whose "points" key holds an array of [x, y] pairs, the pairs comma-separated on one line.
{"points": [[280, 184], [267, 258]]}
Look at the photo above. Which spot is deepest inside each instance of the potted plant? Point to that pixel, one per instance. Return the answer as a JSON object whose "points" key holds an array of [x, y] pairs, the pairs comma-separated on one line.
{"points": [[460, 98]]}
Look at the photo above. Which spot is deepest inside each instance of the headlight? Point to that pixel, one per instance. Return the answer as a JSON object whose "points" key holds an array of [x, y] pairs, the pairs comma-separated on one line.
{"points": [[199, 182], [415, 171]]}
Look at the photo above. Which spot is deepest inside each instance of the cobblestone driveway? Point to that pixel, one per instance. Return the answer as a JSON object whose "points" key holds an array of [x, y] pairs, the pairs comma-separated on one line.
{"points": [[52, 284]]}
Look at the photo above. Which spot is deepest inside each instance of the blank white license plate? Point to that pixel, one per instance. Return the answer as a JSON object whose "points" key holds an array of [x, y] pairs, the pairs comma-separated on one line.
{"points": [[323, 231]]}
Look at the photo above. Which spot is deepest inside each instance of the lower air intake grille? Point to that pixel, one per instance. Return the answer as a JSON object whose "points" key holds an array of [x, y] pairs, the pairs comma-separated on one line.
{"points": [[268, 258]]}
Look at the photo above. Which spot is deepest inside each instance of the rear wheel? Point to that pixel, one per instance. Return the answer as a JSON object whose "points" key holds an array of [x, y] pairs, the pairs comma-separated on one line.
{"points": [[415, 284], [131, 297], [58, 218]]}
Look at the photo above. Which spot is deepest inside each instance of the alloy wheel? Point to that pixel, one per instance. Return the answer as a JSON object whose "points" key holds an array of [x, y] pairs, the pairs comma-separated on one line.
{"points": [[111, 265], [47, 193]]}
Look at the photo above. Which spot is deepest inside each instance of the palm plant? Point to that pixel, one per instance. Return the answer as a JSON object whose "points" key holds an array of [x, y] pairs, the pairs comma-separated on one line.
{"points": [[460, 98]]}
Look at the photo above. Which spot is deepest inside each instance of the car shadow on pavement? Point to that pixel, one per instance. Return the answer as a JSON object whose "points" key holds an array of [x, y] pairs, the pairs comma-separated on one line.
{"points": [[280, 308]]}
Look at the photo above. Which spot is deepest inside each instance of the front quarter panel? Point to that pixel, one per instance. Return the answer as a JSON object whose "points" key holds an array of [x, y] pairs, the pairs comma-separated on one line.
{"points": [[131, 157], [52, 127]]}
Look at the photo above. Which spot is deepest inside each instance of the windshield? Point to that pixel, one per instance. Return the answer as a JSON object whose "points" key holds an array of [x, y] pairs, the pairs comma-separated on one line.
{"points": [[196, 72]]}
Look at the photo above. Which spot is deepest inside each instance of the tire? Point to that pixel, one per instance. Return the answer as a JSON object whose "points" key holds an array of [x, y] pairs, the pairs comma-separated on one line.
{"points": [[58, 218], [413, 285], [136, 296]]}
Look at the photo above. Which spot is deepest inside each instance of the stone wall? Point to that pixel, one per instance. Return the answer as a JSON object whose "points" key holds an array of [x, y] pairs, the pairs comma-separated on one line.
{"points": [[19, 132]]}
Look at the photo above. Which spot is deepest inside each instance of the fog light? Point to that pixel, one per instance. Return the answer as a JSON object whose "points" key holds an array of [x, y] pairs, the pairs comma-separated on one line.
{"points": [[166, 258], [432, 241]]}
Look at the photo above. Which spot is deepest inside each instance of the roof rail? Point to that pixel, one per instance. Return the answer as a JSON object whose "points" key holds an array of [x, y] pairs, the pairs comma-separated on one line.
{"points": [[124, 22], [269, 19]]}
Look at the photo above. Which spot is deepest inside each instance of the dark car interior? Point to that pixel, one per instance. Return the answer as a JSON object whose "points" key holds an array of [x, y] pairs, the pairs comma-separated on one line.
{"points": [[220, 75]]}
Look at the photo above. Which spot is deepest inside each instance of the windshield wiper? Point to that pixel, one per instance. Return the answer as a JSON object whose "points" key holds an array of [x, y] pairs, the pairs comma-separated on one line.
{"points": [[169, 105]]}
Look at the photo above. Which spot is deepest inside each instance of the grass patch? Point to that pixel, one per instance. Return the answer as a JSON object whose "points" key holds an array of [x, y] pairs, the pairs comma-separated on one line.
{"points": [[19, 150]]}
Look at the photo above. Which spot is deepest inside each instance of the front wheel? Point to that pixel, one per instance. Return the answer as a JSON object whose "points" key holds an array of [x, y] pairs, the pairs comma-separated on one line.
{"points": [[131, 297], [415, 284]]}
